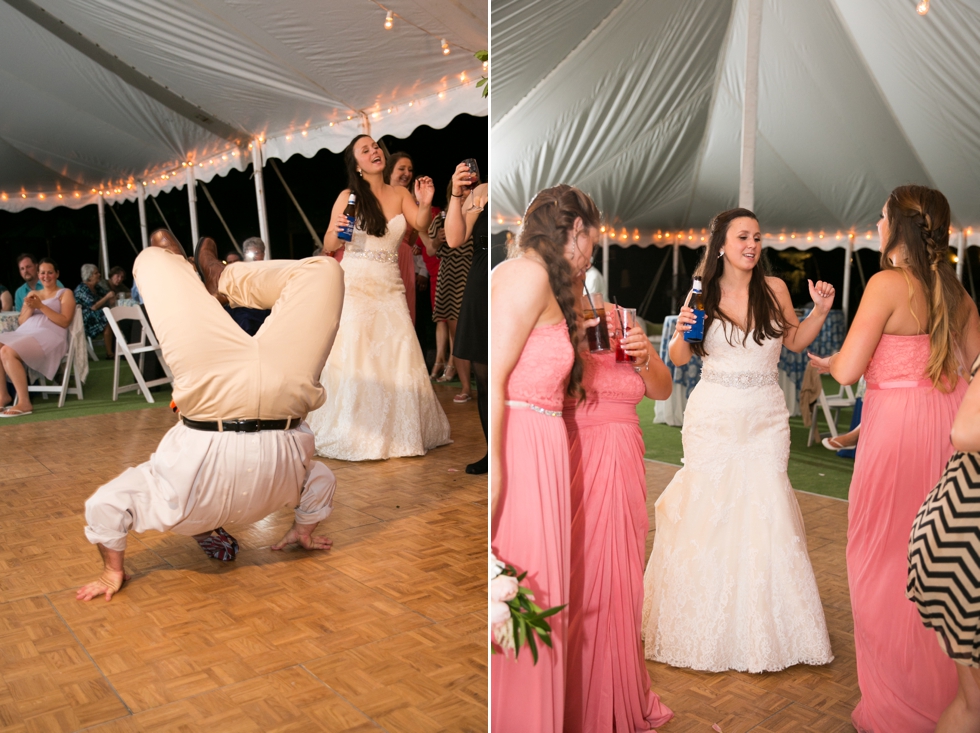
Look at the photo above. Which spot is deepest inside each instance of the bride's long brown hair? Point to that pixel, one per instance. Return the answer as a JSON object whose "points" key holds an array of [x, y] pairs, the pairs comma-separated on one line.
{"points": [[547, 225], [765, 318]]}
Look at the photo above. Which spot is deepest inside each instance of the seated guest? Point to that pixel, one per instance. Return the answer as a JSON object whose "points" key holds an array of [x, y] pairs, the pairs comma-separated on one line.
{"points": [[116, 277], [254, 249], [27, 264], [6, 299], [93, 296], [40, 342], [232, 257]]}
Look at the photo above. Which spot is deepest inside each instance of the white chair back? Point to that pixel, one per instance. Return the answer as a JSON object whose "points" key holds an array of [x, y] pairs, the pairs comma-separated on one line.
{"points": [[147, 344]]}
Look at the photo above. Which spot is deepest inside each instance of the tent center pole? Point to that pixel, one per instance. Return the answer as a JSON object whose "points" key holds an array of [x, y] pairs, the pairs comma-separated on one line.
{"points": [[103, 241], [750, 106], [192, 204], [846, 299], [675, 280], [260, 195], [605, 267], [141, 202], [960, 254]]}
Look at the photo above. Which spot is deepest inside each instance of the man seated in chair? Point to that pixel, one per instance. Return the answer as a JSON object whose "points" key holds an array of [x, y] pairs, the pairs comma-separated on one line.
{"points": [[241, 449]]}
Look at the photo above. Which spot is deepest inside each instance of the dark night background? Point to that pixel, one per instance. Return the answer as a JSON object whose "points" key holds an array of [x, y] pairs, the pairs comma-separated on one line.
{"points": [[71, 237]]}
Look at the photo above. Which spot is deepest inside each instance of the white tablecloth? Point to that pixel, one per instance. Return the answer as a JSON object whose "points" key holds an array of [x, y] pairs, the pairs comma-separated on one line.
{"points": [[791, 368]]}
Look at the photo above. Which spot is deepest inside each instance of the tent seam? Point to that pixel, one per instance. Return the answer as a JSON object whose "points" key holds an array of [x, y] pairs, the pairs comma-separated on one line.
{"points": [[544, 79], [719, 73]]}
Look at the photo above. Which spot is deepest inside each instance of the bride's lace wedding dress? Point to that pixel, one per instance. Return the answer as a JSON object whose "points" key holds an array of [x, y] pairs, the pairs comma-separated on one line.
{"points": [[379, 401], [729, 583]]}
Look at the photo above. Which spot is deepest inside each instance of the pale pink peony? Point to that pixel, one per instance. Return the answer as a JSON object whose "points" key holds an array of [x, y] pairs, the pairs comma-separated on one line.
{"points": [[503, 588]]}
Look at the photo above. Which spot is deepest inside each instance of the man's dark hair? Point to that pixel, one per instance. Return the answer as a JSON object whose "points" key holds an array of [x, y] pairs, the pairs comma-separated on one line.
{"points": [[26, 256]]}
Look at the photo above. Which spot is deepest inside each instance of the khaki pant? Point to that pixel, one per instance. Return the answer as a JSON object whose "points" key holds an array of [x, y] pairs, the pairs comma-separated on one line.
{"points": [[222, 373]]}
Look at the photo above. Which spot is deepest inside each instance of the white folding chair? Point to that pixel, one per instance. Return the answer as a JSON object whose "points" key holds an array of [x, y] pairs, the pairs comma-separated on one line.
{"points": [[68, 363], [844, 397], [91, 349], [147, 343]]}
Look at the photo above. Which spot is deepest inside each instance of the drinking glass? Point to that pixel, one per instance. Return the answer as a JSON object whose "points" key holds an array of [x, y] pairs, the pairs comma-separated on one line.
{"points": [[626, 319], [598, 335]]}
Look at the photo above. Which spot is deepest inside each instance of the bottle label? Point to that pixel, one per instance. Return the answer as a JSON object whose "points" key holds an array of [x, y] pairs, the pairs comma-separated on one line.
{"points": [[348, 231], [697, 329]]}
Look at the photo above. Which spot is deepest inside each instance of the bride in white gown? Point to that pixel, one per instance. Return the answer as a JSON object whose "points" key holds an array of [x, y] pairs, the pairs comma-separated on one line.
{"points": [[379, 401], [729, 583]]}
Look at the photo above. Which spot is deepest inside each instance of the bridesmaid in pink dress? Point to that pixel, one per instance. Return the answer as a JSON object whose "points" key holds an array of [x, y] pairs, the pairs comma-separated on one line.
{"points": [[608, 685], [534, 365], [913, 333]]}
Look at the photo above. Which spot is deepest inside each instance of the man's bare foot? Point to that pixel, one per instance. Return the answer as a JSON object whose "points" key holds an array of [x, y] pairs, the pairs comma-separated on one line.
{"points": [[108, 585], [302, 534]]}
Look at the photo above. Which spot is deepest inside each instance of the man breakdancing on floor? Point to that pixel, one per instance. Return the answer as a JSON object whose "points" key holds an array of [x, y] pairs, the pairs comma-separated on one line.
{"points": [[241, 450]]}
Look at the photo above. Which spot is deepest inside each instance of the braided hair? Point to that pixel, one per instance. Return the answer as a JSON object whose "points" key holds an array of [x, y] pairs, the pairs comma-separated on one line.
{"points": [[547, 225], [918, 219]]}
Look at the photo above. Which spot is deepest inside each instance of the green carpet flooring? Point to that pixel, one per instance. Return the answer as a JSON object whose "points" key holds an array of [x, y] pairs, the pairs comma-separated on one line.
{"points": [[97, 392], [814, 469]]}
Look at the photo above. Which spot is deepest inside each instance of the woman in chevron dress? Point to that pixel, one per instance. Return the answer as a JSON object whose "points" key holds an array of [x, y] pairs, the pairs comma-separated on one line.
{"points": [[944, 572]]}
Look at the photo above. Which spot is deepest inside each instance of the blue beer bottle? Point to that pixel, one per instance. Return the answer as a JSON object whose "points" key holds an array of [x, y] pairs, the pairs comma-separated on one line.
{"points": [[350, 212], [697, 303]]}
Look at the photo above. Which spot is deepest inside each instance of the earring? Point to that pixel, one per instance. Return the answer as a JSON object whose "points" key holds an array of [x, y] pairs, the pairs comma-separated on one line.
{"points": [[360, 173], [721, 253]]}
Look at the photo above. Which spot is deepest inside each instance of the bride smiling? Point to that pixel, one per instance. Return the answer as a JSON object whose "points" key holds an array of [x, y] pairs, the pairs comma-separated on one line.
{"points": [[729, 583], [379, 401]]}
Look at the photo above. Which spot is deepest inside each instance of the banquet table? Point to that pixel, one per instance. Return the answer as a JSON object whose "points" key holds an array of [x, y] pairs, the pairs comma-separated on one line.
{"points": [[791, 369]]}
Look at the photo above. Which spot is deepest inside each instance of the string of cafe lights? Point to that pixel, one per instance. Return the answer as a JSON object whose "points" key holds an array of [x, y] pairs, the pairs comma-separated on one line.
{"points": [[219, 157], [446, 47], [698, 237]]}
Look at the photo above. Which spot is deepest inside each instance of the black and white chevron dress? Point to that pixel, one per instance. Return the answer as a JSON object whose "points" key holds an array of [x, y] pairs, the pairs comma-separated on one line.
{"points": [[944, 558]]}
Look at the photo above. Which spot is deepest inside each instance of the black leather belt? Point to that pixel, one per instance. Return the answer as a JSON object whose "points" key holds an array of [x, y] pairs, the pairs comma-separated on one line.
{"points": [[242, 426]]}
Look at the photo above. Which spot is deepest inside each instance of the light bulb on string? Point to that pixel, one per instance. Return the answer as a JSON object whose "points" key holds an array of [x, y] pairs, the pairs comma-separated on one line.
{"points": [[389, 21], [445, 47], [923, 7]]}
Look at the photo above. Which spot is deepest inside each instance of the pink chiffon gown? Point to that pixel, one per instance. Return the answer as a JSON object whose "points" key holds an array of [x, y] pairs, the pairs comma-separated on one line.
{"points": [[905, 678], [531, 529], [608, 685]]}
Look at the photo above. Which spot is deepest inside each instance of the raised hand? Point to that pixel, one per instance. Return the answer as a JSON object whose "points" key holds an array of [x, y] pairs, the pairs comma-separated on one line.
{"points": [[822, 295], [424, 191], [463, 180]]}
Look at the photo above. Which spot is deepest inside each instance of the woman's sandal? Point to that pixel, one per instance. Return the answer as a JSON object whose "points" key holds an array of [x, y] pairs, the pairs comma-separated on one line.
{"points": [[462, 397], [11, 411], [436, 368], [449, 374], [834, 444]]}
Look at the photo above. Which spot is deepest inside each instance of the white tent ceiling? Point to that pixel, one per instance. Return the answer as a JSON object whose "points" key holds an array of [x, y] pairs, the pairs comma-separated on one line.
{"points": [[639, 102], [98, 94]]}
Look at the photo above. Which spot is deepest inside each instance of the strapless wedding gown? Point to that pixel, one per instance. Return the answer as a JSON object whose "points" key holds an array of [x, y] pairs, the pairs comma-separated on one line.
{"points": [[729, 583], [379, 401]]}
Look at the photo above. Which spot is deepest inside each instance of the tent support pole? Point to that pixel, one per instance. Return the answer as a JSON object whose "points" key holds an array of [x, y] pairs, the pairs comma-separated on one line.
{"points": [[260, 194], [605, 267], [316, 240], [129, 239], [675, 282], [192, 204], [846, 299], [221, 219], [103, 241], [960, 254], [141, 201], [750, 106], [160, 212]]}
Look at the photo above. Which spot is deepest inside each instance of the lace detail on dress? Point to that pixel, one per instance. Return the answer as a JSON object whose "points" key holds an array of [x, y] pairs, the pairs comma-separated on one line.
{"points": [[540, 375], [605, 380], [379, 401], [898, 358], [740, 380], [729, 583]]}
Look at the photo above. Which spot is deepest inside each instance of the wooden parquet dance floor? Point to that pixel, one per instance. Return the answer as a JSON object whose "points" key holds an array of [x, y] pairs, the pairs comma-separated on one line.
{"points": [[800, 699], [385, 631]]}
